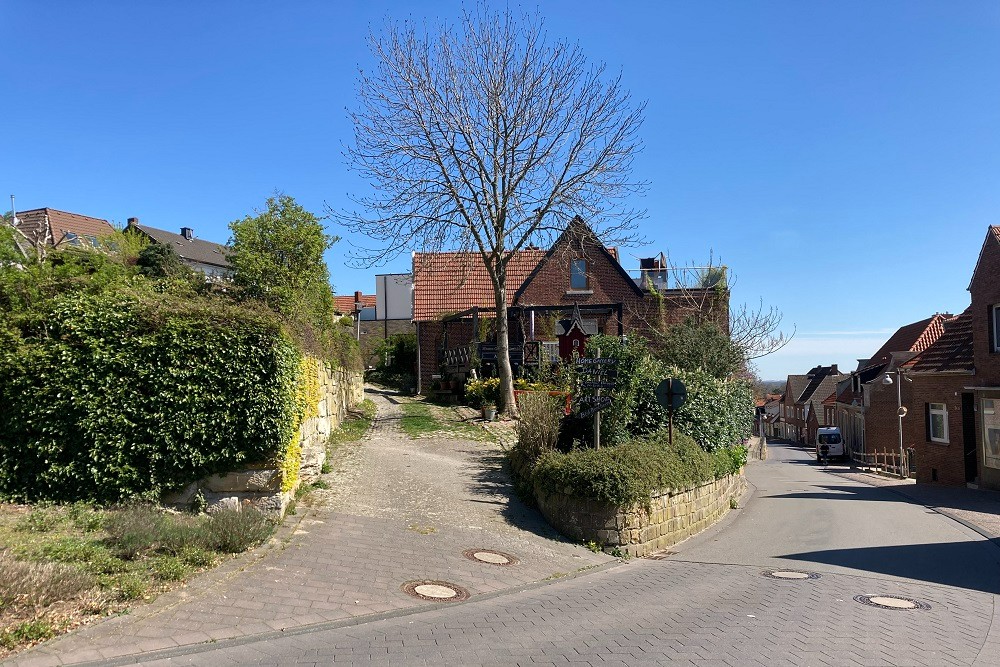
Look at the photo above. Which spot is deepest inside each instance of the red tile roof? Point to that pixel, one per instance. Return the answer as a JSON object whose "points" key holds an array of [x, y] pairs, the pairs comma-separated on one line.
{"points": [[952, 352], [914, 337], [345, 304], [32, 224], [450, 282]]}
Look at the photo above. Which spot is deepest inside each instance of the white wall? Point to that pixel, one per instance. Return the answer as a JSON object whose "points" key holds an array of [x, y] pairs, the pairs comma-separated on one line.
{"points": [[394, 296]]}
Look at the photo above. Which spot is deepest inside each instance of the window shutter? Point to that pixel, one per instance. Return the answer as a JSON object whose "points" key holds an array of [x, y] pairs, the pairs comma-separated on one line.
{"points": [[927, 420]]}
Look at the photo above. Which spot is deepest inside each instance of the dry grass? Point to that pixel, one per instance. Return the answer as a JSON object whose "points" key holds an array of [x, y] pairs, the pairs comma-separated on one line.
{"points": [[62, 566]]}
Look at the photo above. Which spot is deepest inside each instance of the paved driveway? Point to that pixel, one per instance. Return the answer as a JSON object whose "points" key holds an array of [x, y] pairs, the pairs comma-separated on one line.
{"points": [[709, 603]]}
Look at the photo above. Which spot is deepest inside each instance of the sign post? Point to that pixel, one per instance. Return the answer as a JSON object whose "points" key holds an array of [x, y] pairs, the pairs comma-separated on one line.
{"points": [[597, 374], [671, 394]]}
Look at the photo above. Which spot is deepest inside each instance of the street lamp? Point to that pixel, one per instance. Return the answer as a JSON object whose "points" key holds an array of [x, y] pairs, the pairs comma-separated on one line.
{"points": [[900, 410]]}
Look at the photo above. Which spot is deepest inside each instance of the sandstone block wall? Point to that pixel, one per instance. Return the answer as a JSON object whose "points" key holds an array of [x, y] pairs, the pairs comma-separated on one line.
{"points": [[673, 515], [260, 486]]}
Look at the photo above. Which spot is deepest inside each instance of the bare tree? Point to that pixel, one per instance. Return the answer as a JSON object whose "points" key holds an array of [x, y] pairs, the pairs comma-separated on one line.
{"points": [[486, 137]]}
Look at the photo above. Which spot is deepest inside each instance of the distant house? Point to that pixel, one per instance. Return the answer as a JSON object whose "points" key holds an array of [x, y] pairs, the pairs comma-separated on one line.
{"points": [[454, 305], [44, 228], [203, 256], [802, 407]]}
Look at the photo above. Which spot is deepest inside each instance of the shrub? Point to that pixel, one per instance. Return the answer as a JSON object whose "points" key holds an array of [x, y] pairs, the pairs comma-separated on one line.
{"points": [[131, 586], [39, 584], [482, 391], [232, 531], [27, 632], [538, 427], [717, 413], [39, 520], [118, 396], [631, 472], [170, 568]]}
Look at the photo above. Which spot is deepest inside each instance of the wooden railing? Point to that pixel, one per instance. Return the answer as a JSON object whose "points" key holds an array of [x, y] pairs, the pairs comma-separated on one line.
{"points": [[885, 462]]}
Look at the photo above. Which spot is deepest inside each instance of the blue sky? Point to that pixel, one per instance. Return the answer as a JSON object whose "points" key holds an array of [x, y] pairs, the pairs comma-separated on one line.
{"points": [[843, 158]]}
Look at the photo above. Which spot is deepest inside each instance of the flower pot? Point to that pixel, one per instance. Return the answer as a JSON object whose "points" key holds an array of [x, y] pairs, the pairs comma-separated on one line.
{"points": [[489, 414]]}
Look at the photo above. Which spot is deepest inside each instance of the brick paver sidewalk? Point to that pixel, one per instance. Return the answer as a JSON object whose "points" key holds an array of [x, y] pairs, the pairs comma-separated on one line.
{"points": [[395, 523]]}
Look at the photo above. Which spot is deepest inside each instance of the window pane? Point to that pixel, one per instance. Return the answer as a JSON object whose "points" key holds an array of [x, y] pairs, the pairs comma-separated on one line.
{"points": [[996, 328], [937, 426], [991, 433], [578, 274]]}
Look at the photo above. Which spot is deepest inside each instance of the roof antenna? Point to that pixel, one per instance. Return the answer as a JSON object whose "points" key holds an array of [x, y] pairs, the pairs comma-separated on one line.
{"points": [[13, 212]]}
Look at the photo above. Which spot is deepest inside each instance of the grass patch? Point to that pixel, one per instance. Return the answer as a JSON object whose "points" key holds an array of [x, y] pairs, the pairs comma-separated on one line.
{"points": [[355, 425], [61, 564], [421, 419]]}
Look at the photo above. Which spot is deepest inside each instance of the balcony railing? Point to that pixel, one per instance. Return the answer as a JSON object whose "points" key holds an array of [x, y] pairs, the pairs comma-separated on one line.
{"points": [[682, 277]]}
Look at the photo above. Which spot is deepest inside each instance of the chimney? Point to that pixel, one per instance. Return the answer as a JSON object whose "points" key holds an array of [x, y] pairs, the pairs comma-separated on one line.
{"points": [[833, 370], [187, 233], [132, 222]]}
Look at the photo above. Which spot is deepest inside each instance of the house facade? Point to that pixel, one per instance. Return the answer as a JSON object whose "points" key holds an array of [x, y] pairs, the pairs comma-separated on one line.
{"points": [[454, 304], [985, 322], [802, 410]]}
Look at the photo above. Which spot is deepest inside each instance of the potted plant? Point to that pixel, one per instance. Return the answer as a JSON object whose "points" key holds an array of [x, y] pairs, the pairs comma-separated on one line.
{"points": [[489, 411]]}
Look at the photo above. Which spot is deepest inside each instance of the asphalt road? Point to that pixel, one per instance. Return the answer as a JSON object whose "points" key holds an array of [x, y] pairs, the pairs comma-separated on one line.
{"points": [[709, 603]]}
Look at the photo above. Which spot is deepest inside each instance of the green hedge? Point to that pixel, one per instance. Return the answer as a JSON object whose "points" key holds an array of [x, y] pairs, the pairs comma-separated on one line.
{"points": [[109, 396], [630, 472]]}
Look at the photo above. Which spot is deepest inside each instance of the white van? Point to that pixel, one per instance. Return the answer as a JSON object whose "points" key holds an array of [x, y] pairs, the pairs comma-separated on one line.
{"points": [[829, 443]]}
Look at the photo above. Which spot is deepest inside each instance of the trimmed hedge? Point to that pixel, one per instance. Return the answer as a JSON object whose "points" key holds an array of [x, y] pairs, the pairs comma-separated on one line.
{"points": [[109, 396], [631, 472]]}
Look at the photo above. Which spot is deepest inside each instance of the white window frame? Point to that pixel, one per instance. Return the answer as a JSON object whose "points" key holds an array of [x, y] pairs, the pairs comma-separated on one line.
{"points": [[942, 412], [989, 409]]}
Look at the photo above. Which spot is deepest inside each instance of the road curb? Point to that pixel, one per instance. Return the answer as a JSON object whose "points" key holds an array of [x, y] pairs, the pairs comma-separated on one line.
{"points": [[193, 649]]}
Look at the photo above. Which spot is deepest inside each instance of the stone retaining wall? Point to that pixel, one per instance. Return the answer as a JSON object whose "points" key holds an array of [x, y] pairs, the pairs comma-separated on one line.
{"points": [[260, 485], [756, 448], [673, 515]]}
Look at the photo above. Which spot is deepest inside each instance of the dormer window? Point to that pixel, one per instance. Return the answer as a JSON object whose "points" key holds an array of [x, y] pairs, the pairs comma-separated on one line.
{"points": [[578, 275]]}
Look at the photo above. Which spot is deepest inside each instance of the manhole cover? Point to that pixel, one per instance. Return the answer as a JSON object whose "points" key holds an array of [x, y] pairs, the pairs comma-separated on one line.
{"points": [[435, 591], [890, 602], [490, 557], [792, 575]]}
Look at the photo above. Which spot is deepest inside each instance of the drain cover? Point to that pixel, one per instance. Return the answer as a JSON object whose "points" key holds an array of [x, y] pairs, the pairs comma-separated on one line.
{"points": [[435, 591], [890, 602], [490, 557], [792, 575]]}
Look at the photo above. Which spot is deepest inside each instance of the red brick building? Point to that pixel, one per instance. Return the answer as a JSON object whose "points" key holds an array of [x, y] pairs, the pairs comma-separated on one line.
{"points": [[802, 410], [454, 304], [985, 315]]}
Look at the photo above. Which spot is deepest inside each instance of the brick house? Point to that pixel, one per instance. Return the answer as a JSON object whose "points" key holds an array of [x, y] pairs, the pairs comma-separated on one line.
{"points": [[985, 321], [802, 410], [940, 417], [453, 301], [865, 408]]}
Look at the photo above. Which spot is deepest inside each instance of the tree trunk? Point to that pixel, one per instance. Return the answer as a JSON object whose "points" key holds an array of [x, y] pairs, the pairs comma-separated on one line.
{"points": [[507, 403]]}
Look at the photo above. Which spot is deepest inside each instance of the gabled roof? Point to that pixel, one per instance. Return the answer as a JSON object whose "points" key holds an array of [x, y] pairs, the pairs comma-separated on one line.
{"points": [[61, 227], [952, 352], [449, 282], [817, 378], [579, 230], [796, 385], [992, 236], [345, 304], [914, 337], [193, 249]]}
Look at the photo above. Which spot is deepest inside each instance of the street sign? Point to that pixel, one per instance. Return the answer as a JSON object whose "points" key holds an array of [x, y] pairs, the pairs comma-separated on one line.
{"points": [[595, 400], [591, 411], [671, 393], [597, 384]]}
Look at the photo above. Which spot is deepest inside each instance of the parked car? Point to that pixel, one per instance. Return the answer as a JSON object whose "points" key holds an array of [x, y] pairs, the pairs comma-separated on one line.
{"points": [[829, 443]]}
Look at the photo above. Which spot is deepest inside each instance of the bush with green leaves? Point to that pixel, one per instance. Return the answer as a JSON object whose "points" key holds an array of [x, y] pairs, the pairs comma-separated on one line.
{"points": [[717, 413], [109, 396], [537, 428], [629, 473]]}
